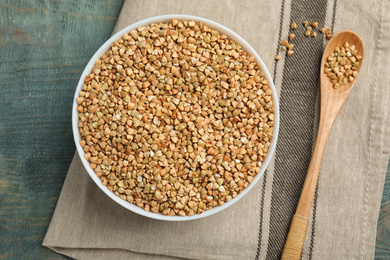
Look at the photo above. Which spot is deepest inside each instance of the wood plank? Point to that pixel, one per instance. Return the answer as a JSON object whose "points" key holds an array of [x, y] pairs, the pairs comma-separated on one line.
{"points": [[382, 249], [44, 46]]}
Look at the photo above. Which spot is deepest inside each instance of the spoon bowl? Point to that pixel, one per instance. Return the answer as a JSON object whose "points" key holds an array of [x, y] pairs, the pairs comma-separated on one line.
{"points": [[331, 102]]}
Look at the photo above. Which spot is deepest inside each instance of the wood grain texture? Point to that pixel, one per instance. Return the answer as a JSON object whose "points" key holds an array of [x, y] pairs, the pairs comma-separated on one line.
{"points": [[382, 249], [332, 101], [44, 46]]}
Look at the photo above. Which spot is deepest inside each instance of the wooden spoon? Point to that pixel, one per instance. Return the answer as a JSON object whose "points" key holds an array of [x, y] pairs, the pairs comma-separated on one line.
{"points": [[331, 102]]}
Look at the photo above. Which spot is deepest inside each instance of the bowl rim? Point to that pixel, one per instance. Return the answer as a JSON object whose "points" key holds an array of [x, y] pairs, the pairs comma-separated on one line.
{"points": [[165, 18]]}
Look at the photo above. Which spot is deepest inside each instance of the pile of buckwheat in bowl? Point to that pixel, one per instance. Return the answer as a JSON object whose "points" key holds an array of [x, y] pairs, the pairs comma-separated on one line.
{"points": [[176, 118]]}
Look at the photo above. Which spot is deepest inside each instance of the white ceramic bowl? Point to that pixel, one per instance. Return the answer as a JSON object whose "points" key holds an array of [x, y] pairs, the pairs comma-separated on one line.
{"points": [[166, 18]]}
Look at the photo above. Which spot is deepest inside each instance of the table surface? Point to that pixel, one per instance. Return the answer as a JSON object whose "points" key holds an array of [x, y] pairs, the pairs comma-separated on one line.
{"points": [[44, 46]]}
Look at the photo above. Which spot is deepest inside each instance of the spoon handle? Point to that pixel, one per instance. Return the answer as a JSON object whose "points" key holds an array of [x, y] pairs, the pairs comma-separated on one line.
{"points": [[296, 236], [295, 239]]}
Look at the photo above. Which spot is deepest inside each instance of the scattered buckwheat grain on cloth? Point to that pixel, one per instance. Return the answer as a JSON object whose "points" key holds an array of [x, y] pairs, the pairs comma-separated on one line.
{"points": [[89, 225]]}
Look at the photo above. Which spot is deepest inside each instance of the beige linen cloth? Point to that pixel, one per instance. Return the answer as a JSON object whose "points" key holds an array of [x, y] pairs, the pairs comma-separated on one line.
{"points": [[89, 225]]}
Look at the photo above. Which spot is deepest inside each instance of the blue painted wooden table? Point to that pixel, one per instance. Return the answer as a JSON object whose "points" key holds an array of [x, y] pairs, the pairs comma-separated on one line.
{"points": [[44, 46]]}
